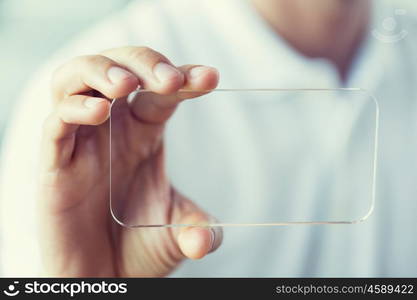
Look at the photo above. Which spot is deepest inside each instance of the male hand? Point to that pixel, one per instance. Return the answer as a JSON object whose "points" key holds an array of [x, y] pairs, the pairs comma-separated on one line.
{"points": [[79, 237]]}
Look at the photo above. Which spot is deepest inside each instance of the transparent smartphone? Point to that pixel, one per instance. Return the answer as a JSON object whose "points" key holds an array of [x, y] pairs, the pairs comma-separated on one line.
{"points": [[263, 157]]}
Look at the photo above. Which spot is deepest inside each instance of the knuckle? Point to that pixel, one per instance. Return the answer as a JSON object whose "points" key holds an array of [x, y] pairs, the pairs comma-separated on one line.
{"points": [[143, 53], [142, 50], [91, 60], [76, 63]]}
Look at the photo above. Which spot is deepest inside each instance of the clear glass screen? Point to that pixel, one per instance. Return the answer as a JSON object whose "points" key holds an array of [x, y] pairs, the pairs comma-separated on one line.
{"points": [[246, 156]]}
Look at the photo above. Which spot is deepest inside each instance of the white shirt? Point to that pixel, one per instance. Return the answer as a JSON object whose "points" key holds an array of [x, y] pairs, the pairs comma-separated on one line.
{"points": [[230, 36]]}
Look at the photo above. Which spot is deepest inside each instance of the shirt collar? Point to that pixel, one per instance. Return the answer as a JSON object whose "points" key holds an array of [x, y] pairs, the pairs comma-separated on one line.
{"points": [[271, 62]]}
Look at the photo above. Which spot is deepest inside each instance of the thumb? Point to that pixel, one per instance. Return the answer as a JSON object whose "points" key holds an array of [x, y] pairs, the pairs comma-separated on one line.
{"points": [[198, 239]]}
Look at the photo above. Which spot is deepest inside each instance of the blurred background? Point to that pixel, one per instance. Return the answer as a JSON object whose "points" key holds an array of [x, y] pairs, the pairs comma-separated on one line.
{"points": [[31, 30]]}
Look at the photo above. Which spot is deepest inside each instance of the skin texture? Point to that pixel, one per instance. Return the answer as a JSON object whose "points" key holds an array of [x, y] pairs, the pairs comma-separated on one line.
{"points": [[79, 238]]}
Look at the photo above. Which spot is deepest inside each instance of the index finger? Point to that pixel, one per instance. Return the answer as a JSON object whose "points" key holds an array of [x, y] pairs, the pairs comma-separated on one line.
{"points": [[150, 107]]}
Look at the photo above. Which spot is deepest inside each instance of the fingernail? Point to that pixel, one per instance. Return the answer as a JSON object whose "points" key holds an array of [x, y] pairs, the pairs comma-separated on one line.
{"points": [[200, 70], [165, 72], [213, 237], [197, 71], [92, 102], [116, 74]]}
